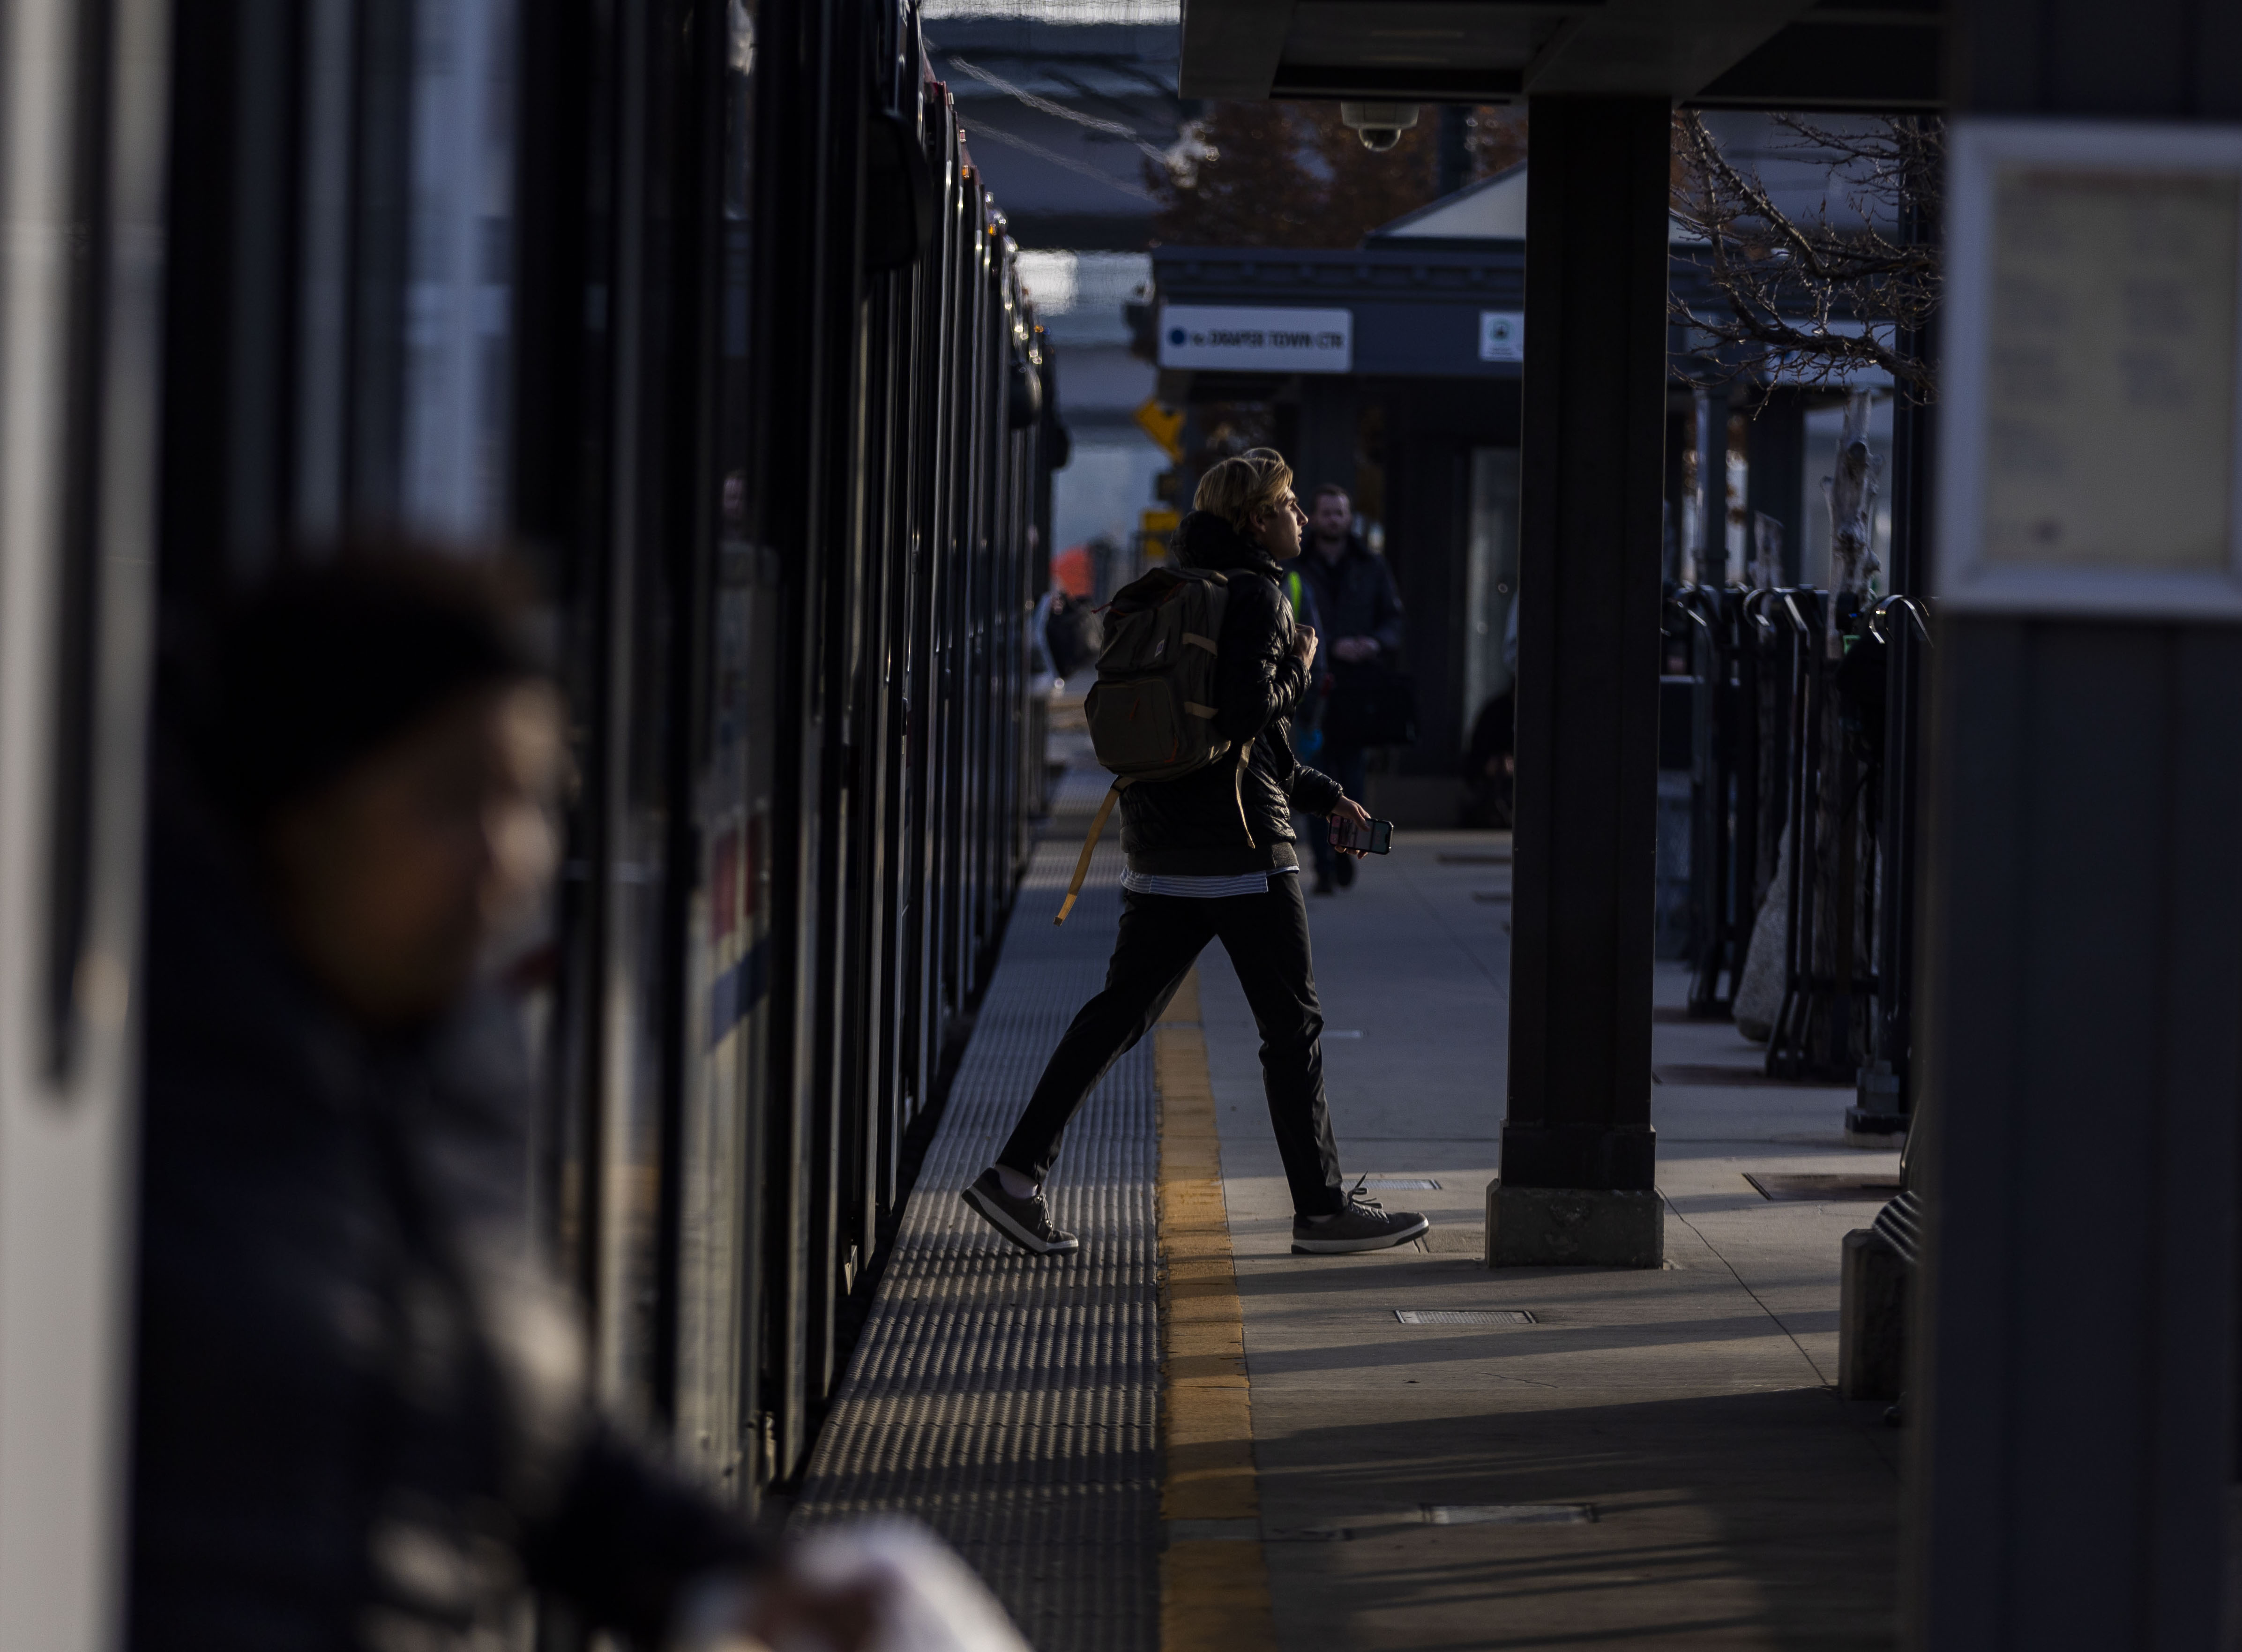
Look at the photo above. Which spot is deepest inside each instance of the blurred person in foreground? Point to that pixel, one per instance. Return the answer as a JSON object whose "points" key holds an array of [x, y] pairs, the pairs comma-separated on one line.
{"points": [[1355, 595], [361, 1415], [1211, 856]]}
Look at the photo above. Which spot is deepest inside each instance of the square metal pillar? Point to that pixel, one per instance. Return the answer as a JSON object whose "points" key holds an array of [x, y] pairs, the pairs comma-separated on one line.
{"points": [[2072, 1403], [1327, 446], [1578, 1154]]}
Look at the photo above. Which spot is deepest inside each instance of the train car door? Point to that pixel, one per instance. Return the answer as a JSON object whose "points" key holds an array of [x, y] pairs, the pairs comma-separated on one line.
{"points": [[82, 103]]}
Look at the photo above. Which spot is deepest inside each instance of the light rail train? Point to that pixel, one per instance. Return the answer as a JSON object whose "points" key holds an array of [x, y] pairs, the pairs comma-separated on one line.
{"points": [[703, 310]]}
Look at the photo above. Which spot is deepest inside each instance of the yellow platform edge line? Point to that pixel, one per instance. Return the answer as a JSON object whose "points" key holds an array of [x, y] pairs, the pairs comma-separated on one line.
{"points": [[1214, 1594]]}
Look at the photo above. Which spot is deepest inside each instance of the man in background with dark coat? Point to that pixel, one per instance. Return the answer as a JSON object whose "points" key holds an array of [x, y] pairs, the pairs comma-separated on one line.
{"points": [[1361, 612]]}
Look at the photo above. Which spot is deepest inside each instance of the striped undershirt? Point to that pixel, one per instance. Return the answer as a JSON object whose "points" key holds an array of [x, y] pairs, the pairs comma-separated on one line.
{"points": [[1204, 889]]}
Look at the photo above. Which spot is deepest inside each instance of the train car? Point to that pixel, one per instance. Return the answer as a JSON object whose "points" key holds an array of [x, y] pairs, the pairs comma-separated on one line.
{"points": [[703, 314]]}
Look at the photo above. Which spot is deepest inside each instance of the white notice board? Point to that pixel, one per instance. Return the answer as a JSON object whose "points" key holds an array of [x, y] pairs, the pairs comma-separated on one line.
{"points": [[1256, 339], [2090, 447]]}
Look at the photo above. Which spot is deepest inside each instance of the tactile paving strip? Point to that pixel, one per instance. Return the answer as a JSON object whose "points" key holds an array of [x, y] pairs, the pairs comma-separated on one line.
{"points": [[1010, 1401]]}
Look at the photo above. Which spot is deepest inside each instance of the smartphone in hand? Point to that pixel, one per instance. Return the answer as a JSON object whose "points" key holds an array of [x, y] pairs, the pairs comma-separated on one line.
{"points": [[1379, 839]]}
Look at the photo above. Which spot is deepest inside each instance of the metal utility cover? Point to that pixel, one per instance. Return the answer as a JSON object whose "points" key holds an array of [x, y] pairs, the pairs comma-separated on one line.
{"points": [[1731, 1077], [1846, 1185], [1509, 1513], [1465, 1316]]}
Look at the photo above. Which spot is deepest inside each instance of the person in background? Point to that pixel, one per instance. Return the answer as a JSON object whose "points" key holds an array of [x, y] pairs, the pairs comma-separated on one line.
{"points": [[1211, 856], [1361, 610], [1073, 633], [362, 1420], [1491, 767], [1299, 595], [1307, 739]]}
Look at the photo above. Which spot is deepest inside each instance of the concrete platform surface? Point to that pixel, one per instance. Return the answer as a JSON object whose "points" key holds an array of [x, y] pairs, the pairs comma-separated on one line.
{"points": [[1660, 1458]]}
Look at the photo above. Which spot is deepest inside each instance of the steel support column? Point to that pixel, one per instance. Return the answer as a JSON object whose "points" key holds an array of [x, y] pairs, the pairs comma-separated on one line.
{"points": [[1577, 1147], [2073, 1402]]}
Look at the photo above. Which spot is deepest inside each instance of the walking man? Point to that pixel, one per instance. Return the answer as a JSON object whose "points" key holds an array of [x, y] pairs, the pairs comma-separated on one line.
{"points": [[1212, 856], [1355, 595]]}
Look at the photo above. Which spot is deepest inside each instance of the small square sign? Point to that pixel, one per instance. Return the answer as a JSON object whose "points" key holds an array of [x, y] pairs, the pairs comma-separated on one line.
{"points": [[1502, 335]]}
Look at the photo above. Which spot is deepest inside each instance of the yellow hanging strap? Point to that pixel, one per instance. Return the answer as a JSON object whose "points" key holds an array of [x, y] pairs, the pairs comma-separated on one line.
{"points": [[1082, 866]]}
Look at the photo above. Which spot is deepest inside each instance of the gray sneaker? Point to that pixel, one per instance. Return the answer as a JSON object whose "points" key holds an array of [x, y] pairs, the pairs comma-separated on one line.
{"points": [[1026, 1222], [1365, 1224]]}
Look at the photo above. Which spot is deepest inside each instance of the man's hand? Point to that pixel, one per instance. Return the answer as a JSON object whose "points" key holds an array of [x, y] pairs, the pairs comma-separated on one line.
{"points": [[1304, 643], [1352, 814], [846, 1588], [1354, 650], [842, 1618], [773, 1608]]}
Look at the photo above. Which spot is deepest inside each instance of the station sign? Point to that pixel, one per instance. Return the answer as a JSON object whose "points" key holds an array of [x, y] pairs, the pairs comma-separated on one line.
{"points": [[1251, 338], [2090, 442]]}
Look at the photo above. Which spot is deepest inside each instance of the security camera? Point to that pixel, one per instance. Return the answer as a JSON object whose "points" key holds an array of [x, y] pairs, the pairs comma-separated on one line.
{"points": [[1379, 125]]}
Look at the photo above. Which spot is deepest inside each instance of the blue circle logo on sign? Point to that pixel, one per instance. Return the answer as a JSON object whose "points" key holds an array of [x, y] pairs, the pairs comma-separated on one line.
{"points": [[1176, 335]]}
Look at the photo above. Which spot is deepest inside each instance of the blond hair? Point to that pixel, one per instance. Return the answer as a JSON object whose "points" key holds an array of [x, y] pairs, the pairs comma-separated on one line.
{"points": [[1241, 488]]}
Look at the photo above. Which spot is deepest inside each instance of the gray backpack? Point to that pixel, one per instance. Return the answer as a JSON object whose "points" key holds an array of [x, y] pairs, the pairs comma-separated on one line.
{"points": [[1152, 710]]}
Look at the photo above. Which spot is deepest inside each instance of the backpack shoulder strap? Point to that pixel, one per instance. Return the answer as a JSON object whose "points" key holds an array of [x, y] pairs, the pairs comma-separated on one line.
{"points": [[1082, 866]]}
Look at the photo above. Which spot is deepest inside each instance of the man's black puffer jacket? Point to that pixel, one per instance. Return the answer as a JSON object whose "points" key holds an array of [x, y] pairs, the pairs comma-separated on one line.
{"points": [[361, 1420], [1219, 820]]}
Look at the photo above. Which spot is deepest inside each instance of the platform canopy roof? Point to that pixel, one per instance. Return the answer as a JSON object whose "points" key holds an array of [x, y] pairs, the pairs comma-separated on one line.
{"points": [[1769, 54], [1494, 209]]}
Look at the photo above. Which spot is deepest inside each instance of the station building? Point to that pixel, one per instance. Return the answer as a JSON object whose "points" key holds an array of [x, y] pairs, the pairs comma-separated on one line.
{"points": [[713, 312], [1406, 390]]}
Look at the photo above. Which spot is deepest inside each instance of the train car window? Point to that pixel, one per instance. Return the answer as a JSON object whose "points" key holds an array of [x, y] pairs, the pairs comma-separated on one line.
{"points": [[728, 934], [458, 270]]}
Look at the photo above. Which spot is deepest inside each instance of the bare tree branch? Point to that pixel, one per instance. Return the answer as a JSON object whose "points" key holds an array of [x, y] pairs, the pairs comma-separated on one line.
{"points": [[1808, 301]]}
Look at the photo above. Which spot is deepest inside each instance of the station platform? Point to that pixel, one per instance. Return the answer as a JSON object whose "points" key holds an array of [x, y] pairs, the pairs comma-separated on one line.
{"points": [[1187, 1437]]}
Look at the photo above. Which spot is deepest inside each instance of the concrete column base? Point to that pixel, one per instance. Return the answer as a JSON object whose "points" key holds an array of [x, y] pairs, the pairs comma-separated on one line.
{"points": [[1871, 1319], [1574, 1226]]}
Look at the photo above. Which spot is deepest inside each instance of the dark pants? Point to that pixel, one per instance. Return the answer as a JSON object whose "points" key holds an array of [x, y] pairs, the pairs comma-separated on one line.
{"points": [[1350, 766], [1162, 936]]}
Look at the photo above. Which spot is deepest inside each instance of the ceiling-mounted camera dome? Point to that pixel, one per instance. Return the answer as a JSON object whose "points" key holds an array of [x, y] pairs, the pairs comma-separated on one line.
{"points": [[1379, 125]]}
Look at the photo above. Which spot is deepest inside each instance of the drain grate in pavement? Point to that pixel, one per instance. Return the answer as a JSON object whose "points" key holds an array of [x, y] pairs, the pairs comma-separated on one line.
{"points": [[1817, 1189], [1476, 858], [1509, 1513], [1731, 1077], [1465, 1316], [1418, 1184], [1445, 1240], [1497, 896]]}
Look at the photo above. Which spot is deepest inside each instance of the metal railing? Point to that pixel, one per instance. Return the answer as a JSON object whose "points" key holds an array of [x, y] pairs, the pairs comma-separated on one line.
{"points": [[1802, 759]]}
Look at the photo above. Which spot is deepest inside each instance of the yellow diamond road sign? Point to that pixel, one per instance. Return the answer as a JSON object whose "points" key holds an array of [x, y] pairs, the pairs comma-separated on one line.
{"points": [[1163, 424]]}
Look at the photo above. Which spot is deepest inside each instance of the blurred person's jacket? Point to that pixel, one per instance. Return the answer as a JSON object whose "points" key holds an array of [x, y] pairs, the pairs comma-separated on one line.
{"points": [[1361, 702], [1073, 633], [1356, 597], [361, 1417], [1221, 819]]}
